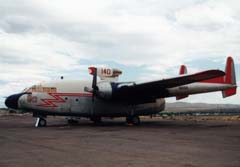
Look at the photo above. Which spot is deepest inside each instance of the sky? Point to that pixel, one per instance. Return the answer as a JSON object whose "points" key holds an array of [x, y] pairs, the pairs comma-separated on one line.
{"points": [[146, 39]]}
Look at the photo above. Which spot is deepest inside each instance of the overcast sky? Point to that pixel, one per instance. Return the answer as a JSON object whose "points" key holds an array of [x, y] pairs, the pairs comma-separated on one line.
{"points": [[41, 40]]}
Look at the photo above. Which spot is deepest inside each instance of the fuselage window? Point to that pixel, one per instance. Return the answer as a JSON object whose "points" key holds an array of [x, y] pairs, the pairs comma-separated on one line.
{"points": [[76, 100], [66, 98], [46, 89], [53, 90]]}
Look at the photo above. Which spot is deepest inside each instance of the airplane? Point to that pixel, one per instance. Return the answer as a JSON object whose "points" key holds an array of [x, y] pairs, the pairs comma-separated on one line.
{"points": [[110, 98]]}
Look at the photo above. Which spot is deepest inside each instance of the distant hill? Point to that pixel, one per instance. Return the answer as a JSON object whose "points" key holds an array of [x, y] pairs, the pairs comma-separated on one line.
{"points": [[3, 111], [184, 107]]}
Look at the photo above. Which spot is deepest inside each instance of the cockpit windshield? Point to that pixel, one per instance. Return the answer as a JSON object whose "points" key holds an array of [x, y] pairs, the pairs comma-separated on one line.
{"points": [[40, 88]]}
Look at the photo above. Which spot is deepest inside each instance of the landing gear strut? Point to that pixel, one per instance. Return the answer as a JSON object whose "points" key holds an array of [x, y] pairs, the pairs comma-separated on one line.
{"points": [[96, 120], [135, 120], [41, 122], [72, 122]]}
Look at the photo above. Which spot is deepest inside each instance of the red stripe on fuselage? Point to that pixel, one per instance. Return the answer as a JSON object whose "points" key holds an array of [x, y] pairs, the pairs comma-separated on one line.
{"points": [[57, 99]]}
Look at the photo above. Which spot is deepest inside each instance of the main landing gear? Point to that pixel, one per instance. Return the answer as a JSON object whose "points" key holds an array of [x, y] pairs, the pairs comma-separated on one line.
{"points": [[135, 120], [96, 120], [41, 122], [72, 122]]}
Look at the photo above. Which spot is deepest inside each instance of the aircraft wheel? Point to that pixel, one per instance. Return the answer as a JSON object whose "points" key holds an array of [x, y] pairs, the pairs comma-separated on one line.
{"points": [[128, 120], [96, 120], [72, 122], [136, 120], [42, 122]]}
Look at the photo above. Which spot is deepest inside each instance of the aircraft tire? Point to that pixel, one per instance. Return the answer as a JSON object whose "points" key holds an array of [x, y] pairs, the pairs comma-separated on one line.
{"points": [[96, 120], [72, 122], [42, 122], [136, 120], [128, 120]]}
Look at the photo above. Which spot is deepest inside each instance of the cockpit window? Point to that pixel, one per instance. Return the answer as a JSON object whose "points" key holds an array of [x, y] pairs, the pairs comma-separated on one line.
{"points": [[40, 88]]}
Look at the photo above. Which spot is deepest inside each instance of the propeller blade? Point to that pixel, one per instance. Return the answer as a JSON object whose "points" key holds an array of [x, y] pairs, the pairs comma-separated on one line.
{"points": [[94, 84]]}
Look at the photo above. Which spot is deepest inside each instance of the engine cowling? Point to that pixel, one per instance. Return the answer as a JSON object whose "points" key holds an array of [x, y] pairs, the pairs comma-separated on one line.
{"points": [[110, 90], [105, 90]]}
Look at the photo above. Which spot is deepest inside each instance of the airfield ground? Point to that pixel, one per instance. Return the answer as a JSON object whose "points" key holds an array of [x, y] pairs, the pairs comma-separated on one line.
{"points": [[157, 142]]}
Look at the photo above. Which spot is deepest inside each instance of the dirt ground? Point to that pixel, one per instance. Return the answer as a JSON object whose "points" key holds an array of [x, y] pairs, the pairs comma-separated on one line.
{"points": [[156, 142]]}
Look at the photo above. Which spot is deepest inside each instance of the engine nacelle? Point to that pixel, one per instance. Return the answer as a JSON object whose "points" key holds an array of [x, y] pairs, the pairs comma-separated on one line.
{"points": [[104, 90]]}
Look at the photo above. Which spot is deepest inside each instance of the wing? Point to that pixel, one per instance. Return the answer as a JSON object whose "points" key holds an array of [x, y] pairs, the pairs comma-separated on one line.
{"points": [[150, 91]]}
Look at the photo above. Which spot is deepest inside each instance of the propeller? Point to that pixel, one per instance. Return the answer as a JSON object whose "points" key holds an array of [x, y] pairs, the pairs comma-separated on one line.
{"points": [[94, 84]]}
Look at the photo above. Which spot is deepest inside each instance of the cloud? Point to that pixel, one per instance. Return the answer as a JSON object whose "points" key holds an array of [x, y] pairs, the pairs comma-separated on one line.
{"points": [[211, 17]]}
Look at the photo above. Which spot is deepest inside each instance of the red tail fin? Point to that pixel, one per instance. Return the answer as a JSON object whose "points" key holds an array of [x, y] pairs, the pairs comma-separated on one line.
{"points": [[183, 70], [230, 78]]}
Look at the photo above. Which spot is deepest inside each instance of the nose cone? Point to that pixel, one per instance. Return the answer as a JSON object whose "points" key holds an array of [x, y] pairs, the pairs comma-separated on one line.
{"points": [[12, 101]]}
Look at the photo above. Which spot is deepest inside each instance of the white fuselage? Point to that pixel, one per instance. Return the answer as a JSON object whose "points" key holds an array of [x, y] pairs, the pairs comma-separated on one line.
{"points": [[69, 98]]}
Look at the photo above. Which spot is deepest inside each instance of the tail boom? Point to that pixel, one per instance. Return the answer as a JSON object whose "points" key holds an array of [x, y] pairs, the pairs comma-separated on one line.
{"points": [[226, 84]]}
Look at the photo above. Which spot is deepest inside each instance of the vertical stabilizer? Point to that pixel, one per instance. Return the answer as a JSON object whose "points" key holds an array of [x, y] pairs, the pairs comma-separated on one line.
{"points": [[230, 78], [182, 71]]}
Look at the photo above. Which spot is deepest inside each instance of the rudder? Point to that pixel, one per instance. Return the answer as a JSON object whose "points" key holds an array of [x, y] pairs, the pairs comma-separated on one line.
{"points": [[182, 71], [230, 78]]}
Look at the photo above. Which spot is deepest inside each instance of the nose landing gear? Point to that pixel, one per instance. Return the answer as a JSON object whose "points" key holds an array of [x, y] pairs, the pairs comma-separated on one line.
{"points": [[41, 122]]}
